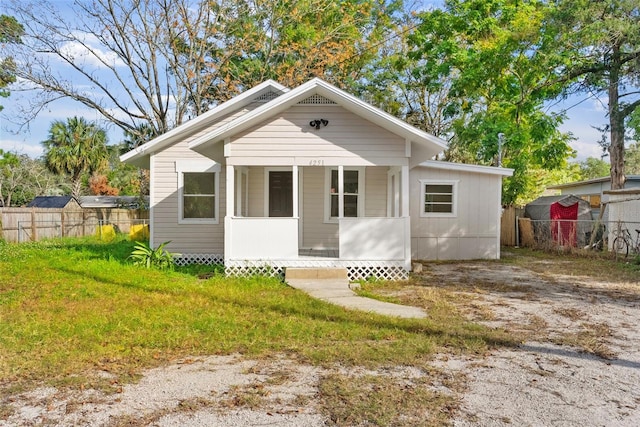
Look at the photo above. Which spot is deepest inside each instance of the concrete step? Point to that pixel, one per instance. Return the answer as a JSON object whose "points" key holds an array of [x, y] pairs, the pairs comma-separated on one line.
{"points": [[314, 273]]}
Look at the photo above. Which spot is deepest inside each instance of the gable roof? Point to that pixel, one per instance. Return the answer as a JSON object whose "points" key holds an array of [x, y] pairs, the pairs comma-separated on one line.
{"points": [[591, 181], [431, 145], [139, 156], [54, 202]]}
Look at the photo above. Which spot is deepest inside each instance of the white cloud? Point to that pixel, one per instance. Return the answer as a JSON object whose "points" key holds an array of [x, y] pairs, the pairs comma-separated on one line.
{"points": [[89, 51], [31, 149]]}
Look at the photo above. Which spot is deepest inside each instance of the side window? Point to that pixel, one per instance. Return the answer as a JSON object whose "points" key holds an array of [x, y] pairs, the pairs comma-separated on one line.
{"points": [[199, 196], [198, 192], [438, 198]]}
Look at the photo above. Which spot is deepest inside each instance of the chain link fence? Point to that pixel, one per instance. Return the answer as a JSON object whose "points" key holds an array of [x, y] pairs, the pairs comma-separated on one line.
{"points": [[580, 235]]}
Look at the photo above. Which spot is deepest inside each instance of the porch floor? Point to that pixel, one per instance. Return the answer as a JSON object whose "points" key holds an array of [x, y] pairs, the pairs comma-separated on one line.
{"points": [[319, 253]]}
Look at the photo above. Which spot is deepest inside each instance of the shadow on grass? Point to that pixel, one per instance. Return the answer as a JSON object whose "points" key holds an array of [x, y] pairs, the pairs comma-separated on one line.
{"points": [[304, 306]]}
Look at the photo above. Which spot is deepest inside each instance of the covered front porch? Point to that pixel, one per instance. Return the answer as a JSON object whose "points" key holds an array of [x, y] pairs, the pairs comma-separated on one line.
{"points": [[318, 215]]}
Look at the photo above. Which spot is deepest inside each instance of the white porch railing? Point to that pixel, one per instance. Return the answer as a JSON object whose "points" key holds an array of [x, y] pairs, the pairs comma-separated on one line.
{"points": [[384, 239], [261, 238]]}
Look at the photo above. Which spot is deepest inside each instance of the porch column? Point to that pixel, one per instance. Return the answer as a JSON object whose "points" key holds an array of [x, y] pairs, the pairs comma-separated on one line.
{"points": [[238, 212], [340, 191], [405, 214], [231, 175], [405, 191], [294, 177]]}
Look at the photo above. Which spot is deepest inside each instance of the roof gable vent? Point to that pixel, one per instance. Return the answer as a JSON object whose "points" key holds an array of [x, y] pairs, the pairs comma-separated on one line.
{"points": [[316, 100], [266, 97]]}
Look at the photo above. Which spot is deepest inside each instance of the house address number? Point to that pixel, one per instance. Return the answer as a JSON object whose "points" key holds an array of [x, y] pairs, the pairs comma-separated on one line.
{"points": [[316, 162]]}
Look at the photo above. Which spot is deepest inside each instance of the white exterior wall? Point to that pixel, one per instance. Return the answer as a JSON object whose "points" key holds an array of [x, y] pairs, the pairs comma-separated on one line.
{"points": [[289, 139], [316, 234], [474, 233], [185, 238]]}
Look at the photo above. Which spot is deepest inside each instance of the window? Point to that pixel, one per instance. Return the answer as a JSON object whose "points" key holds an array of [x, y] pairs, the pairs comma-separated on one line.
{"points": [[352, 194], [438, 198], [198, 195], [198, 192]]}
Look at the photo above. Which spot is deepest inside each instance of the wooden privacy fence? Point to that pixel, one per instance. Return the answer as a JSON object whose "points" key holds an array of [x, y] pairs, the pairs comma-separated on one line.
{"points": [[508, 227], [32, 224]]}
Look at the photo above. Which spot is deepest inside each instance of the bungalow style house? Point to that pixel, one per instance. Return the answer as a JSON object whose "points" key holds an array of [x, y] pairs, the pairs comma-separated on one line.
{"points": [[314, 177]]}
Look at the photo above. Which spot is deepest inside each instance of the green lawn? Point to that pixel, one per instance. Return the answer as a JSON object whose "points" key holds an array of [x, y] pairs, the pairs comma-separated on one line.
{"points": [[70, 307]]}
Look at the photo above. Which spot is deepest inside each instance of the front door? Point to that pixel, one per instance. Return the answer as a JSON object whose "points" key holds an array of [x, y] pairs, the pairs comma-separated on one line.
{"points": [[280, 194]]}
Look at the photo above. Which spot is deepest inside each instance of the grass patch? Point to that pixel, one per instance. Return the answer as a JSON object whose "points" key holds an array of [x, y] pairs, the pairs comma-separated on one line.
{"points": [[71, 307], [593, 338], [374, 400]]}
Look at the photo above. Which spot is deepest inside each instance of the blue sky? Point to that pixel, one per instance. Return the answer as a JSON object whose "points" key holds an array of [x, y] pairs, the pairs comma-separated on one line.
{"points": [[580, 121]]}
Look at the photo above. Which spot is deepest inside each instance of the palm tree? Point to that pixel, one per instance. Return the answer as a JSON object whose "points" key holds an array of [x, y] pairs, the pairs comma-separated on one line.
{"points": [[77, 148]]}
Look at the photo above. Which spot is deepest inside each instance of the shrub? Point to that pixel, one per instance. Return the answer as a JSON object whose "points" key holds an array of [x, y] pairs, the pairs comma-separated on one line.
{"points": [[148, 257]]}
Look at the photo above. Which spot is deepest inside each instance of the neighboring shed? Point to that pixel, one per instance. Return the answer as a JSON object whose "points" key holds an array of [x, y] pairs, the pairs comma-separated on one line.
{"points": [[54, 202], [565, 219], [595, 192]]}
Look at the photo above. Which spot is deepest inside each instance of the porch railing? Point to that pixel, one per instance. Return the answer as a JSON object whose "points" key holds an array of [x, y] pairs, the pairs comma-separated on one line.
{"points": [[261, 238], [374, 238]]}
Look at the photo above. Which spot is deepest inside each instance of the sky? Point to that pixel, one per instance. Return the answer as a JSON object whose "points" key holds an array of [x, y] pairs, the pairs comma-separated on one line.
{"points": [[582, 115]]}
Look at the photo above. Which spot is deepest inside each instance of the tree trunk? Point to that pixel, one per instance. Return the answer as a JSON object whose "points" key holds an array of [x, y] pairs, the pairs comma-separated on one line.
{"points": [[616, 124]]}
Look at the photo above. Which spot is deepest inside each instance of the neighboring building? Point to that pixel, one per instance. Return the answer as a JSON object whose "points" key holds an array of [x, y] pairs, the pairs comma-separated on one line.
{"points": [[561, 220], [54, 202], [315, 177], [112, 202], [593, 191]]}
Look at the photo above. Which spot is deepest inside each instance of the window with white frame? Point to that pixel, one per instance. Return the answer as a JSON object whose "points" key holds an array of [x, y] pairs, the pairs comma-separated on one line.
{"points": [[352, 193], [198, 191], [438, 198]]}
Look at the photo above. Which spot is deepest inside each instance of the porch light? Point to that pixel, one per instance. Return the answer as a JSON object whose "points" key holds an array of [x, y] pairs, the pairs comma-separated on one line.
{"points": [[316, 123]]}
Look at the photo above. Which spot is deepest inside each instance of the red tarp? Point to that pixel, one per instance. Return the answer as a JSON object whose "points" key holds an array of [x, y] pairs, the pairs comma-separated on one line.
{"points": [[563, 225]]}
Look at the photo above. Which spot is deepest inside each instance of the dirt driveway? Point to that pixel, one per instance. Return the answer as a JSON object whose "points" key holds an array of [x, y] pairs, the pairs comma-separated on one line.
{"points": [[578, 365]]}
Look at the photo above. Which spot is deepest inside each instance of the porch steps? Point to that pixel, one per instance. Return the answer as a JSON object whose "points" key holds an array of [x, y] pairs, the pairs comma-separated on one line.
{"points": [[332, 285], [298, 273]]}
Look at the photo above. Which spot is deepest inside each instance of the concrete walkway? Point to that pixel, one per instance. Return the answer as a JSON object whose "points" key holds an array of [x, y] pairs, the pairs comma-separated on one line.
{"points": [[337, 291]]}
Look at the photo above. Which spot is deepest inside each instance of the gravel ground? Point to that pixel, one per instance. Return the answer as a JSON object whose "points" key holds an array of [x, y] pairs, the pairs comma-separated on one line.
{"points": [[544, 382], [549, 383]]}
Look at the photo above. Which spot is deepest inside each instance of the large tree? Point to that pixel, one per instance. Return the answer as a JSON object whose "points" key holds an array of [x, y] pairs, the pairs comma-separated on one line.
{"points": [[77, 148], [492, 57], [159, 62], [402, 84], [598, 52]]}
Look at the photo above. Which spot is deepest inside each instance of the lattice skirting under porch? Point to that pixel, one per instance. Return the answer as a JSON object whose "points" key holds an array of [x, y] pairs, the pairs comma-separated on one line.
{"points": [[206, 259], [356, 270]]}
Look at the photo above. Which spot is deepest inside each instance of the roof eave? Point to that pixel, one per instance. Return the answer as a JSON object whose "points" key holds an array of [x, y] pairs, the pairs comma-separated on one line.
{"points": [[139, 156], [464, 167], [344, 99]]}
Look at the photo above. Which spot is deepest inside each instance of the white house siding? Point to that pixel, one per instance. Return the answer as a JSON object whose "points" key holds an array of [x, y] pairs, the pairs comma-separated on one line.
{"points": [[473, 233], [347, 139], [316, 234], [185, 238], [375, 191], [256, 191]]}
